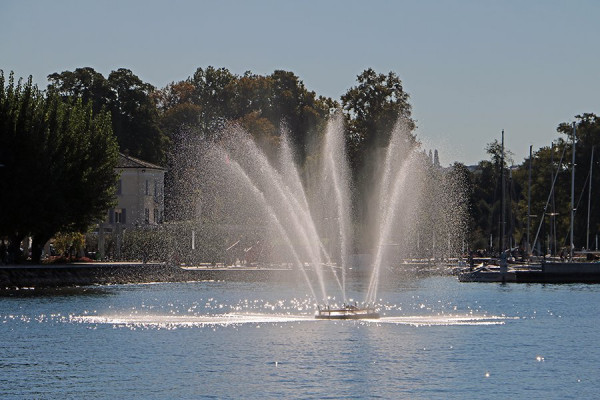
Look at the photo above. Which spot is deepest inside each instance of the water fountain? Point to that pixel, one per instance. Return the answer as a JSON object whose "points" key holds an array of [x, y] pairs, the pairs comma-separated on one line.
{"points": [[307, 219]]}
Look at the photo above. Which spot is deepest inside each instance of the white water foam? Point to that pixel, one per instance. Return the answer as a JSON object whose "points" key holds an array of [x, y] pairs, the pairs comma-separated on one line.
{"points": [[172, 321], [444, 320], [151, 320]]}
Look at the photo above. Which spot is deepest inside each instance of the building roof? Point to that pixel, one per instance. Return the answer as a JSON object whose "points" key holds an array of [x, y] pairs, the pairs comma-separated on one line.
{"points": [[126, 161]]}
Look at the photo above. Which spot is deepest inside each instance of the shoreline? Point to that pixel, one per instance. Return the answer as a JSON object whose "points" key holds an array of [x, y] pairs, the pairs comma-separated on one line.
{"points": [[110, 273]]}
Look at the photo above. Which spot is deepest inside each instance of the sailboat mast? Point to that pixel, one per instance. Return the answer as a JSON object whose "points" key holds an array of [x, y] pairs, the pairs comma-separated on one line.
{"points": [[502, 202], [553, 214], [587, 234], [572, 191], [529, 200]]}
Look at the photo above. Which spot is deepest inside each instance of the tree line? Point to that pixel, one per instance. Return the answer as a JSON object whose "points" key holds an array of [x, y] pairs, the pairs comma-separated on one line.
{"points": [[58, 146]]}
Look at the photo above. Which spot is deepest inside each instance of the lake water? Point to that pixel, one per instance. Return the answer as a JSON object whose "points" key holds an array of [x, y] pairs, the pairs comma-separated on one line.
{"points": [[438, 339]]}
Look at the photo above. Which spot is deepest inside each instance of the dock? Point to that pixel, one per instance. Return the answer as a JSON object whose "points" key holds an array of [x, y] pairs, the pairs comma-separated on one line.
{"points": [[545, 272]]}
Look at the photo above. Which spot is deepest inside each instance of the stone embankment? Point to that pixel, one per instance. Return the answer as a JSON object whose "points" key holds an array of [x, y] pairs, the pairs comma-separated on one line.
{"points": [[80, 274]]}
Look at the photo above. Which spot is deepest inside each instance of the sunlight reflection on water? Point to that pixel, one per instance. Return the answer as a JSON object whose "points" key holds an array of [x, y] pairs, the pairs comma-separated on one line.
{"points": [[173, 321], [436, 338]]}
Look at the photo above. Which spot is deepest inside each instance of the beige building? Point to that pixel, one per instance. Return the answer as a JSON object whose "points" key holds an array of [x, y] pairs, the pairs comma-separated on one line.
{"points": [[140, 194]]}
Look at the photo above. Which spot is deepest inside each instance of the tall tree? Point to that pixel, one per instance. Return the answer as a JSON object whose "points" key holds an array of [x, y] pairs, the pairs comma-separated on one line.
{"points": [[373, 107], [58, 164], [131, 104], [135, 117], [213, 92], [302, 111]]}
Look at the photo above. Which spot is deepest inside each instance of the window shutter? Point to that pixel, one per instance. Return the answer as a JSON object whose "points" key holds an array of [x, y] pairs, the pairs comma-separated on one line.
{"points": [[123, 216], [111, 216]]}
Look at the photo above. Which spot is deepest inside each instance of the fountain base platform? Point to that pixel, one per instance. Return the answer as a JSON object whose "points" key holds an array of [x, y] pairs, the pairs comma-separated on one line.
{"points": [[346, 312]]}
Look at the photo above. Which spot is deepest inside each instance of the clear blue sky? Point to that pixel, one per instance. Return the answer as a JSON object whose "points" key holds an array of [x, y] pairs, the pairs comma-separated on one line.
{"points": [[472, 68]]}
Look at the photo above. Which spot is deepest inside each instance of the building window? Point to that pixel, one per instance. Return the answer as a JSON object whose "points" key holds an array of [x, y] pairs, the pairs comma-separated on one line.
{"points": [[119, 216], [147, 187], [155, 190], [119, 186], [147, 215], [156, 216]]}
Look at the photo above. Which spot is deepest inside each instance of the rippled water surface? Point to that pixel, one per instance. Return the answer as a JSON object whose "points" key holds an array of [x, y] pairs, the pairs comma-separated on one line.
{"points": [[438, 338]]}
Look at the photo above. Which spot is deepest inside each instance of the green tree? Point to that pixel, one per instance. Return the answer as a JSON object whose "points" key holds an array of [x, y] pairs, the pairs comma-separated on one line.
{"points": [[84, 83], [213, 97], [251, 93], [135, 117], [58, 164], [130, 101], [302, 112], [176, 108], [372, 109], [213, 92]]}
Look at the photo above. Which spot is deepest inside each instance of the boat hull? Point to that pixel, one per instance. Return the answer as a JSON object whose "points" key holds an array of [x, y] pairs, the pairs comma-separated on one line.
{"points": [[565, 272]]}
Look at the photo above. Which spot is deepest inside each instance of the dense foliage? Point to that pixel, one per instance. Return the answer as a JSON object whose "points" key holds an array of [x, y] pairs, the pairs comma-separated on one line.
{"points": [[129, 101], [61, 145], [372, 109], [58, 161]]}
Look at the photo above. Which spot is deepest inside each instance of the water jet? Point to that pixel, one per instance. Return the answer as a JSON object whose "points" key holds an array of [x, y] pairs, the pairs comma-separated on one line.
{"points": [[307, 217]]}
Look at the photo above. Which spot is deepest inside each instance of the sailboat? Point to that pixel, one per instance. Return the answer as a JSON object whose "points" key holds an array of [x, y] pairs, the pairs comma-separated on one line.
{"points": [[571, 270], [489, 272]]}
